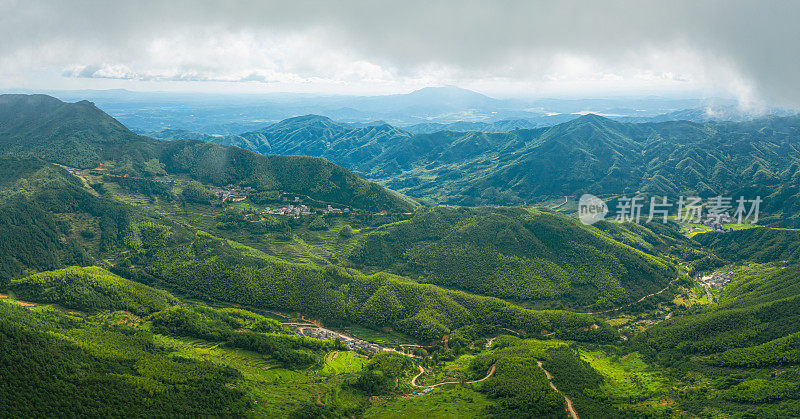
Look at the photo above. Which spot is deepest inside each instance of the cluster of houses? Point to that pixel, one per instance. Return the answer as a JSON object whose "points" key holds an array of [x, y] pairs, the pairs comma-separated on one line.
{"points": [[298, 210], [234, 193], [333, 210], [288, 210], [717, 280], [352, 343]]}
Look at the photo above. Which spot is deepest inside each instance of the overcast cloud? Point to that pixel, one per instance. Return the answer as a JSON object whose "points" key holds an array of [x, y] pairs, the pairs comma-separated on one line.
{"points": [[748, 49]]}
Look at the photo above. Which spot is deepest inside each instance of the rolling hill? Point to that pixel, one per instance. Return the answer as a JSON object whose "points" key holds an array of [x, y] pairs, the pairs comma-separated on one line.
{"points": [[543, 258], [82, 136], [155, 304]]}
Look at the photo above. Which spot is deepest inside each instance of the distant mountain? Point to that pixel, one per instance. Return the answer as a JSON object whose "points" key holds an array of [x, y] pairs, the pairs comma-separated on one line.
{"points": [[596, 155], [498, 126], [229, 114], [314, 135], [180, 134], [710, 113], [435, 99], [589, 154], [82, 136]]}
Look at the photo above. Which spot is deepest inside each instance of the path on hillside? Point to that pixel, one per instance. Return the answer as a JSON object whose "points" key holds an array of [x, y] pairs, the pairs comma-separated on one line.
{"points": [[77, 173], [561, 204], [635, 302], [422, 371], [570, 407]]}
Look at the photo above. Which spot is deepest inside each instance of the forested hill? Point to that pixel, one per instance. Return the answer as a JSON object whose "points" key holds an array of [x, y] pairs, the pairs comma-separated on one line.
{"points": [[588, 154], [314, 135], [81, 135], [544, 258], [74, 134]]}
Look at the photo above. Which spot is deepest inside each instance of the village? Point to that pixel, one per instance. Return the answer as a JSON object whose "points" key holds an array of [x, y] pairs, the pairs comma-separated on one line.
{"points": [[298, 210], [234, 193], [294, 209], [717, 280], [352, 343]]}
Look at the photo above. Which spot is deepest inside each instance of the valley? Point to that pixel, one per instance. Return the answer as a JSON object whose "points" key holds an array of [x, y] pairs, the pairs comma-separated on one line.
{"points": [[188, 277], [375, 209]]}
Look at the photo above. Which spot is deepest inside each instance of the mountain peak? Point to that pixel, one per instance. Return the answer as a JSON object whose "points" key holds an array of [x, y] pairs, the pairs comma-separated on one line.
{"points": [[310, 118], [592, 117], [448, 91]]}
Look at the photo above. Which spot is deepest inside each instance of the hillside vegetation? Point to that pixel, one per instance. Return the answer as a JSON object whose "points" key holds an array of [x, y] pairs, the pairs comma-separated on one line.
{"points": [[212, 268], [759, 306], [70, 367], [745, 347], [517, 254], [755, 245], [91, 289]]}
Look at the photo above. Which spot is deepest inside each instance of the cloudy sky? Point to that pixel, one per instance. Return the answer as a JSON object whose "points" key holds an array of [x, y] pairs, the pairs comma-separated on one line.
{"points": [[502, 48]]}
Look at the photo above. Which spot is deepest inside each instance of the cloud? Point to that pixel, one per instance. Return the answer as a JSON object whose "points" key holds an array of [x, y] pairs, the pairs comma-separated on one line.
{"points": [[745, 47]]}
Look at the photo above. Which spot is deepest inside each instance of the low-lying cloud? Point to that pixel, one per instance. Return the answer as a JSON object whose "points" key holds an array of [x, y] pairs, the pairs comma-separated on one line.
{"points": [[744, 47]]}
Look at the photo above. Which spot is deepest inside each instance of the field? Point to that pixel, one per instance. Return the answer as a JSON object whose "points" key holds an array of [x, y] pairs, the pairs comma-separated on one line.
{"points": [[627, 378], [442, 402], [342, 363]]}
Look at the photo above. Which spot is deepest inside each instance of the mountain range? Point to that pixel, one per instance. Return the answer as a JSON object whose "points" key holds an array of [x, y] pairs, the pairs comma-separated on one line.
{"points": [[423, 110], [128, 286], [589, 154]]}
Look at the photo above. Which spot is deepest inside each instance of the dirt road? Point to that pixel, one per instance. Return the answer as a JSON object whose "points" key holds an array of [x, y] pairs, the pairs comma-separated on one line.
{"points": [[570, 408], [422, 371], [566, 198]]}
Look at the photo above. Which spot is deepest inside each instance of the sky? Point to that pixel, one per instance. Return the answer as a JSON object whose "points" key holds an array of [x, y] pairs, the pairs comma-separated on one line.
{"points": [[744, 49]]}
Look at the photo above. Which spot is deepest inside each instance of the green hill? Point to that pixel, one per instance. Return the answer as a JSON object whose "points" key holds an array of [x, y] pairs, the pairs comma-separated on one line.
{"points": [[742, 353], [74, 134], [53, 365], [754, 245], [760, 305], [210, 267], [91, 289], [80, 135], [534, 256], [49, 220]]}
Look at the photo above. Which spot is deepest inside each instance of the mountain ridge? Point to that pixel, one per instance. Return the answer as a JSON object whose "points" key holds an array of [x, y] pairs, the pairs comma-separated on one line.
{"points": [[82, 136], [588, 154]]}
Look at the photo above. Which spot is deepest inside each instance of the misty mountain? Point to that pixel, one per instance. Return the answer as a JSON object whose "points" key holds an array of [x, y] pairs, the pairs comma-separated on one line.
{"points": [[227, 114]]}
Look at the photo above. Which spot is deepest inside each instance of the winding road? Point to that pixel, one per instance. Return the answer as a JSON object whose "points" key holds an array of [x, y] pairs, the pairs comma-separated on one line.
{"points": [[422, 371], [570, 408]]}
